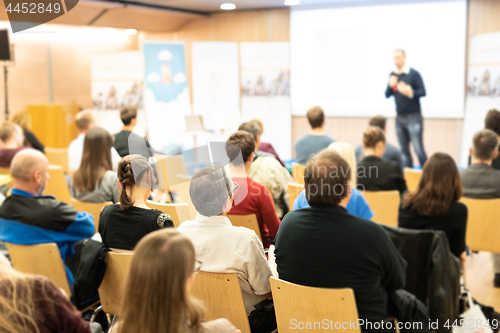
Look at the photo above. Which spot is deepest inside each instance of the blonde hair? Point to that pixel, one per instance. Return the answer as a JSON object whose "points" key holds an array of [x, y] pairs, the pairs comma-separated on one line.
{"points": [[156, 299], [17, 309], [345, 150], [23, 119]]}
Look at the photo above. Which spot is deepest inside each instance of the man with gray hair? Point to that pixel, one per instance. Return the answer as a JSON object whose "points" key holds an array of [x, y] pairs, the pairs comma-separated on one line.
{"points": [[27, 217], [481, 180]]}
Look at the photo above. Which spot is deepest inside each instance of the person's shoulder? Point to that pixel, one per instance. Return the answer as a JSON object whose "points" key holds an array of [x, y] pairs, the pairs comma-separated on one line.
{"points": [[302, 138], [392, 149], [458, 208], [414, 71], [220, 325], [111, 175]]}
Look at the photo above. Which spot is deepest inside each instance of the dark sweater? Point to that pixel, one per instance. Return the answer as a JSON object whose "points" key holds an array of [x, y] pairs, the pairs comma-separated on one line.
{"points": [[454, 224], [31, 140], [405, 105], [327, 247], [375, 174], [126, 141]]}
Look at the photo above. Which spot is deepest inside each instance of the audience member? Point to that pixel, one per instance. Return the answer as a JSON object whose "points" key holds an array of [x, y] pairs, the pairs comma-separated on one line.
{"points": [[122, 225], [375, 174], [27, 217], [434, 204], [157, 288], [222, 247], [492, 122], [392, 153], [12, 138], [126, 140], [85, 120], [266, 170], [23, 119], [252, 197], [480, 180], [95, 180], [324, 246], [264, 146], [314, 141], [357, 204], [31, 303]]}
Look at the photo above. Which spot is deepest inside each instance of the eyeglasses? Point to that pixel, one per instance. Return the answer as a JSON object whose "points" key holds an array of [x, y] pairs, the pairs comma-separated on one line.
{"points": [[197, 266], [235, 186]]}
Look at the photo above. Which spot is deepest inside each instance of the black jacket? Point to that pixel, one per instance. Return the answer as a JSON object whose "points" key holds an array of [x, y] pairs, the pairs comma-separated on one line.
{"points": [[375, 174], [433, 272]]}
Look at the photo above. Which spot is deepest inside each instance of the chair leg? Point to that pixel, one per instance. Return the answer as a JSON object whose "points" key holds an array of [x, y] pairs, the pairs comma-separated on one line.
{"points": [[96, 311]]}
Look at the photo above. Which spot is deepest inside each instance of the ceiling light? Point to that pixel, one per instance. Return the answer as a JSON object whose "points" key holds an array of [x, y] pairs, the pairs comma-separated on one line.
{"points": [[227, 6], [130, 31], [292, 2]]}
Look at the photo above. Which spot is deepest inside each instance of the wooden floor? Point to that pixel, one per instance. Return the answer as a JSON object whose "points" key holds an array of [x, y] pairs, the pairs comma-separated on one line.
{"points": [[480, 275]]}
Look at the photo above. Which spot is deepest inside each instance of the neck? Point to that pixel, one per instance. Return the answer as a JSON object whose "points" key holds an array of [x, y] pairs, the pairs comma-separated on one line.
{"points": [[140, 196], [370, 152], [26, 187], [128, 128], [240, 170], [475, 160], [317, 131], [10, 144]]}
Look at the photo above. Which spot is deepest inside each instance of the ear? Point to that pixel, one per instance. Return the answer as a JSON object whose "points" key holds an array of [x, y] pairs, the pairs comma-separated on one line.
{"points": [[250, 158], [470, 152], [495, 155], [227, 204]]}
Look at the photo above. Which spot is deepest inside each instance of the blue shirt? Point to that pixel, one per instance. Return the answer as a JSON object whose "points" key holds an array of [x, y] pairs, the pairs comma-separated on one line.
{"points": [[308, 145], [357, 205]]}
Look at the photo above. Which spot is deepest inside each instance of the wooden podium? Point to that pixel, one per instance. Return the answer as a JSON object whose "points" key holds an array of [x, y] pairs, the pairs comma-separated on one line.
{"points": [[54, 124]]}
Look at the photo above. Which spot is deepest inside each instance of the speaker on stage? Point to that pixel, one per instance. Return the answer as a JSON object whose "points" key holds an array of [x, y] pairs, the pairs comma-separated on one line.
{"points": [[4, 45]]}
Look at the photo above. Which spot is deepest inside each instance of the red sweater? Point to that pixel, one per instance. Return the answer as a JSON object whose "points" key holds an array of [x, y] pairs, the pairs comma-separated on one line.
{"points": [[253, 198]]}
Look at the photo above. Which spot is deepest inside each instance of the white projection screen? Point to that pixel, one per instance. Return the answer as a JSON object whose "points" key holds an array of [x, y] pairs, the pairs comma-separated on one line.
{"points": [[341, 56]]}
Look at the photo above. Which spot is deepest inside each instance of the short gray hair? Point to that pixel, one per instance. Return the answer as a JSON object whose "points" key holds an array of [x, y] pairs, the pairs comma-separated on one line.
{"points": [[209, 189], [484, 144], [251, 127]]}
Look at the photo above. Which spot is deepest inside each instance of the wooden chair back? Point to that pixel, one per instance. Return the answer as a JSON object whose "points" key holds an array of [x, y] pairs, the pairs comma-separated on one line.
{"points": [[58, 156], [298, 172], [40, 259], [412, 178], [179, 212], [296, 304], [385, 206], [93, 208], [247, 221], [5, 177], [112, 289], [221, 293], [57, 185], [482, 224], [294, 190]]}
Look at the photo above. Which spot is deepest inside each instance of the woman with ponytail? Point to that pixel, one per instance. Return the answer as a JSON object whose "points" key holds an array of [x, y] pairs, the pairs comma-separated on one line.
{"points": [[122, 225]]}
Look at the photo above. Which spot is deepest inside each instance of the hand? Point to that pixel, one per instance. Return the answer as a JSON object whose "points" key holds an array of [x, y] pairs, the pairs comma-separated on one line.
{"points": [[405, 89], [463, 257], [393, 81]]}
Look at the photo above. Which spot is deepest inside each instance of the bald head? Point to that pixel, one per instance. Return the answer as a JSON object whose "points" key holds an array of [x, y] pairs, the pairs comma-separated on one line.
{"points": [[30, 168], [85, 120]]}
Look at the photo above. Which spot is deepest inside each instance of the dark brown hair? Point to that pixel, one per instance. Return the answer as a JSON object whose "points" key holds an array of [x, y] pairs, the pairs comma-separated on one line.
{"points": [[156, 299], [326, 177], [372, 136], [492, 121], [316, 116], [484, 144], [7, 130], [131, 172], [96, 159], [127, 113], [240, 141], [438, 188], [378, 121]]}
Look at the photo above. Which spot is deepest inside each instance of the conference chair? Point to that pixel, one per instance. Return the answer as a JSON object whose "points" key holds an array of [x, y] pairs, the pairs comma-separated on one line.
{"points": [[179, 212], [40, 259], [5, 177], [296, 305], [221, 294], [58, 156], [298, 172], [57, 185], [385, 206], [112, 287], [412, 178], [294, 190], [482, 224], [247, 221], [92, 208]]}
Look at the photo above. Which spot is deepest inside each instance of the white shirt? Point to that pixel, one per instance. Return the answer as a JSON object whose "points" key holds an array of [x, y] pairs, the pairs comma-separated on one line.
{"points": [[75, 152], [223, 248], [404, 70]]}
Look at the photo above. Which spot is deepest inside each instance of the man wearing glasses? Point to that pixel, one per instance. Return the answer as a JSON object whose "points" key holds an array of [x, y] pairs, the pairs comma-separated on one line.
{"points": [[222, 247]]}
